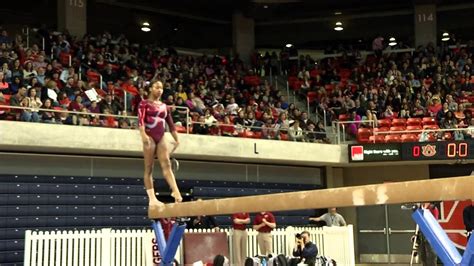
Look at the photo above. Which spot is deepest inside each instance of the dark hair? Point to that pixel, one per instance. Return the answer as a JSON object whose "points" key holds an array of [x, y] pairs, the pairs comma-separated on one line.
{"points": [[218, 260]]}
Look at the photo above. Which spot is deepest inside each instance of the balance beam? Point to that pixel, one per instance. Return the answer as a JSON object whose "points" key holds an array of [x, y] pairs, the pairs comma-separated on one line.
{"points": [[454, 188]]}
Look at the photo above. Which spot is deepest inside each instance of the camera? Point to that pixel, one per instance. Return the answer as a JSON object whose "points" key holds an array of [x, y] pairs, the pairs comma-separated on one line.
{"points": [[298, 236]]}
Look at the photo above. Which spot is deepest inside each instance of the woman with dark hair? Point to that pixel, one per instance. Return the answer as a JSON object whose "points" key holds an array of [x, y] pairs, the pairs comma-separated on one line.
{"points": [[153, 115]]}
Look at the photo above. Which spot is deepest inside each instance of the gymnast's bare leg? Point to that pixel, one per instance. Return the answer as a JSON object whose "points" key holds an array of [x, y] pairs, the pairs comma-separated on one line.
{"points": [[163, 155], [149, 148]]}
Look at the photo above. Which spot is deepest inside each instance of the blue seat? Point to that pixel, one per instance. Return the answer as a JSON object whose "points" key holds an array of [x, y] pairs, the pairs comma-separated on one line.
{"points": [[13, 257], [12, 244]]}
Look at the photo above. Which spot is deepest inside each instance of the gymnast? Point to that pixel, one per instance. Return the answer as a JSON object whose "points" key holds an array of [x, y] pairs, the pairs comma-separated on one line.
{"points": [[152, 116]]}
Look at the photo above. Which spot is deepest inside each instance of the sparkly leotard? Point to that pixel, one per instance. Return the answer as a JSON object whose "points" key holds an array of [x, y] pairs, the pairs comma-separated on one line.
{"points": [[154, 116]]}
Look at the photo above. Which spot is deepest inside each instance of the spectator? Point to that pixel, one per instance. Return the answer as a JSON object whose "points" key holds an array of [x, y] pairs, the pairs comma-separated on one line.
{"points": [[201, 128], [332, 218], [111, 104], [269, 131], [305, 251], [295, 133], [47, 116], [239, 224], [264, 223]]}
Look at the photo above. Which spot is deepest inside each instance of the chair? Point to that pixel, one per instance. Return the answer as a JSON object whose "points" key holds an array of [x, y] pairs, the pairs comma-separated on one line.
{"points": [[377, 139], [414, 122], [409, 138], [413, 128], [363, 135], [399, 122], [343, 117], [384, 123], [397, 128], [381, 129], [392, 138], [432, 127], [428, 121]]}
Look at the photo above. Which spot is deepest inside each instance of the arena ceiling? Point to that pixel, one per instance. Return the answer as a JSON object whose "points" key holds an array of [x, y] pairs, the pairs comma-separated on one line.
{"points": [[276, 11]]}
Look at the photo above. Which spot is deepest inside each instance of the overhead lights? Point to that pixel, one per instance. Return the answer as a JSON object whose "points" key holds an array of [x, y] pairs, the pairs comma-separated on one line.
{"points": [[146, 27], [337, 13], [289, 45], [175, 29], [445, 37], [338, 26], [392, 41], [265, 6]]}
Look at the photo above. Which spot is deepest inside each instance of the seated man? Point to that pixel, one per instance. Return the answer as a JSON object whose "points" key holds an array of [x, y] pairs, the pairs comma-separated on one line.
{"points": [[305, 251]]}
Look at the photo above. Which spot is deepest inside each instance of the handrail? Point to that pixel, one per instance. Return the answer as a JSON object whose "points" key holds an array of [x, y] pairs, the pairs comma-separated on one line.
{"points": [[188, 123], [339, 123]]}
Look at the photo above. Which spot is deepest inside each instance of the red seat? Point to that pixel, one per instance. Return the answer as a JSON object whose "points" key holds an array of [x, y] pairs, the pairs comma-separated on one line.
{"points": [[248, 134], [377, 139], [414, 122], [433, 127], [384, 123], [311, 97], [429, 121], [343, 117], [397, 129], [283, 136], [409, 138], [447, 136], [414, 127], [392, 138], [257, 135], [399, 122], [180, 129], [363, 135], [382, 129]]}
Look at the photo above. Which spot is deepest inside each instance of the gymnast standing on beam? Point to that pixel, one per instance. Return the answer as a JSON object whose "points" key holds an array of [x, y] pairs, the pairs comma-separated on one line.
{"points": [[152, 118]]}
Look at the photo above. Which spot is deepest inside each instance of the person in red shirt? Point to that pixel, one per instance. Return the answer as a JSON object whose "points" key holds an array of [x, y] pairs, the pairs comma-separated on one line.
{"points": [[239, 223], [264, 223]]}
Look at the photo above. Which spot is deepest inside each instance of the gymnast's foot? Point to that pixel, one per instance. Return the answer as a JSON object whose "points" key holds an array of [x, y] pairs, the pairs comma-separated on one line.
{"points": [[154, 203], [177, 196]]}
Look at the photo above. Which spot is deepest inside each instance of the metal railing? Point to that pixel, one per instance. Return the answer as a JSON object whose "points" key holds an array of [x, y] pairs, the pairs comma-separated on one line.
{"points": [[341, 128]]}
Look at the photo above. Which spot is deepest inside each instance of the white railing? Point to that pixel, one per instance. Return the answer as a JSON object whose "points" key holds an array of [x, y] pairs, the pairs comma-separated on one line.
{"points": [[136, 247]]}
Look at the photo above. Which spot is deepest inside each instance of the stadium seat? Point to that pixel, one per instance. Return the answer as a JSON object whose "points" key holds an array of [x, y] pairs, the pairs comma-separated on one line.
{"points": [[431, 126], [384, 123], [377, 139], [409, 138], [399, 122], [392, 138], [414, 127], [414, 122], [428, 121], [363, 135], [397, 128]]}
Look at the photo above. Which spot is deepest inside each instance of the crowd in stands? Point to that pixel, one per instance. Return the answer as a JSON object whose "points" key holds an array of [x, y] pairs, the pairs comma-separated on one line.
{"points": [[420, 91], [107, 74]]}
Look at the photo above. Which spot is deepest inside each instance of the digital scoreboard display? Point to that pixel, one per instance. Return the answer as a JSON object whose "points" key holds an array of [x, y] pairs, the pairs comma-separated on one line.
{"points": [[441, 150], [412, 151]]}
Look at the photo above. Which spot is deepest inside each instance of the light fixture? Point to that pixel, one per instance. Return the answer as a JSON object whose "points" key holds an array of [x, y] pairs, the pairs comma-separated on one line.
{"points": [[338, 26], [337, 13], [445, 37], [265, 6], [289, 45], [392, 41], [175, 29], [146, 27]]}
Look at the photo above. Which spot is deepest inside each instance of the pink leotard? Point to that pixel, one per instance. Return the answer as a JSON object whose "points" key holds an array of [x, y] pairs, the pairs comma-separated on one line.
{"points": [[154, 116]]}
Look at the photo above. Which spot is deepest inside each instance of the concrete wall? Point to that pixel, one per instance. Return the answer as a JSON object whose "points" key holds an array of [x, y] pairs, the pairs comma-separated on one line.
{"points": [[61, 139]]}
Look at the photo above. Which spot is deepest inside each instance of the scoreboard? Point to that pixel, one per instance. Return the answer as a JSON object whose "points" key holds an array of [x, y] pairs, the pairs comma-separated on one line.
{"points": [[412, 151]]}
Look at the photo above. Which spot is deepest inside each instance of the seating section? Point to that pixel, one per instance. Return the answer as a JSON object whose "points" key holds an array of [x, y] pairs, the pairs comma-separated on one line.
{"points": [[81, 203], [399, 130]]}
